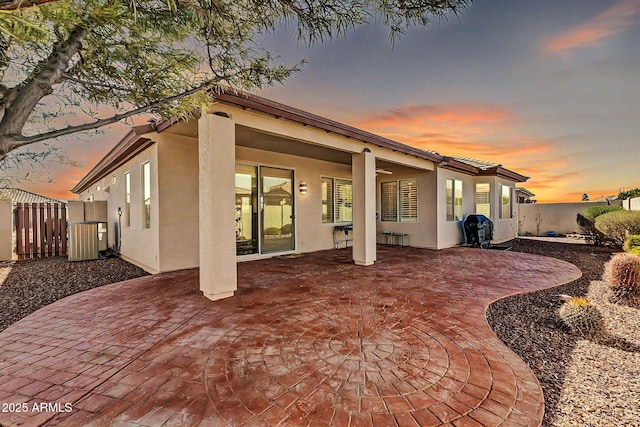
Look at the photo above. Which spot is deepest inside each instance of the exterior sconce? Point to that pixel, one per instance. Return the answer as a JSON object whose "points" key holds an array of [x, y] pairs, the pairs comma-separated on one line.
{"points": [[119, 211], [303, 187]]}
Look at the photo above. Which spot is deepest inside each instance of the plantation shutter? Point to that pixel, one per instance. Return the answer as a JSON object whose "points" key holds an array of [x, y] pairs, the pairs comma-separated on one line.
{"points": [[408, 200], [389, 201], [344, 200], [327, 200], [483, 199]]}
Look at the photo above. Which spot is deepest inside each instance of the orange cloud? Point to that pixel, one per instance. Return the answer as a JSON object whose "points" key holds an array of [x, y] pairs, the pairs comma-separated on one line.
{"points": [[476, 119], [597, 30], [483, 132]]}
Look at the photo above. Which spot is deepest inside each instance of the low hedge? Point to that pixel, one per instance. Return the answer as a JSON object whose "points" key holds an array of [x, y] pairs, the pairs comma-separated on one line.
{"points": [[619, 225]]}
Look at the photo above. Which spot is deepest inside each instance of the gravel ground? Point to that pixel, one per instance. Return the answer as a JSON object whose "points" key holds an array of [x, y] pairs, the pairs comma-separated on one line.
{"points": [[585, 383], [32, 284]]}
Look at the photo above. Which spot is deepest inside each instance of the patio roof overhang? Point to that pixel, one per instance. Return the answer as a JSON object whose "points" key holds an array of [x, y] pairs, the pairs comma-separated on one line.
{"points": [[134, 142]]}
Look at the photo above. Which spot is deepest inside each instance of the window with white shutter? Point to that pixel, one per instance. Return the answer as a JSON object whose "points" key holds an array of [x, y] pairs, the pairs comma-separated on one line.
{"points": [[483, 199], [389, 201], [327, 200], [343, 200], [408, 200]]}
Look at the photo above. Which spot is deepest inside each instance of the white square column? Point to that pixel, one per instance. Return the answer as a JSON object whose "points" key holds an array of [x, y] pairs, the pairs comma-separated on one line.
{"points": [[217, 168], [363, 167]]}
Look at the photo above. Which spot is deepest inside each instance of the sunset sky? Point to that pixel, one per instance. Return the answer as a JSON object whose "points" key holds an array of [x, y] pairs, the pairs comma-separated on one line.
{"points": [[549, 88]]}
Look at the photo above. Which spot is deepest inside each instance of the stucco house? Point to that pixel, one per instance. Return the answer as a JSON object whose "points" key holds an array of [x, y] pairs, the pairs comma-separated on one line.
{"points": [[254, 178]]}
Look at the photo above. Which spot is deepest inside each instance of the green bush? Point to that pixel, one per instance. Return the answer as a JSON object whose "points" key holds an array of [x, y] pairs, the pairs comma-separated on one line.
{"points": [[586, 222], [590, 214], [618, 225], [632, 244]]}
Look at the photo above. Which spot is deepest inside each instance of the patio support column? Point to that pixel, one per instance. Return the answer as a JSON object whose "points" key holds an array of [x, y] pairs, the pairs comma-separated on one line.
{"points": [[217, 158], [363, 167]]}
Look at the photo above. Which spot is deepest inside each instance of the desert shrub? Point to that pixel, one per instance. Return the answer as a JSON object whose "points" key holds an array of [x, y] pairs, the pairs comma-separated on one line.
{"points": [[582, 316], [590, 214], [586, 221], [622, 274], [618, 225], [632, 244]]}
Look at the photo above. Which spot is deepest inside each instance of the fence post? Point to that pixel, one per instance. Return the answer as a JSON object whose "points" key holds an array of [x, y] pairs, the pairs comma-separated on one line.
{"points": [[6, 229]]}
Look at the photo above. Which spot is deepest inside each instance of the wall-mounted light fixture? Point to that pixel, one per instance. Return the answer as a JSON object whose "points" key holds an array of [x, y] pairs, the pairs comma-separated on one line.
{"points": [[119, 211], [303, 187]]}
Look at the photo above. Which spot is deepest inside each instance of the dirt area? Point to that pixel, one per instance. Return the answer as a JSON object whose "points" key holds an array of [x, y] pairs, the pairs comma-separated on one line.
{"points": [[32, 284], [585, 383]]}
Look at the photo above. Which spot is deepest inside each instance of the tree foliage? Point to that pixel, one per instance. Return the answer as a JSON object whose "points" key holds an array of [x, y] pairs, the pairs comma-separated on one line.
{"points": [[630, 194], [74, 65]]}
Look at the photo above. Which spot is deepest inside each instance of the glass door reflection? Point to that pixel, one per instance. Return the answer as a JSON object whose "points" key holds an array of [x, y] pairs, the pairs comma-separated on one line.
{"points": [[276, 204], [246, 210]]}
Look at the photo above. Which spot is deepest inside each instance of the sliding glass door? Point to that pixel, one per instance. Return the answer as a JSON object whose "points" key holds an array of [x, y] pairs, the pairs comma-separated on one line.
{"points": [[277, 209], [264, 210], [246, 210]]}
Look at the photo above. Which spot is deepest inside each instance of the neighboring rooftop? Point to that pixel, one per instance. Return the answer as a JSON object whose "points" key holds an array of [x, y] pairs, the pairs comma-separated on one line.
{"points": [[17, 195], [480, 164]]}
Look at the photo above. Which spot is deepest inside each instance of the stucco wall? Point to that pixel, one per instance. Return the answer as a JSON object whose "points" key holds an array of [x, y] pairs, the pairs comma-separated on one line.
{"points": [[631, 204], [422, 233], [503, 229], [178, 201], [558, 217], [6, 229], [450, 232], [139, 246]]}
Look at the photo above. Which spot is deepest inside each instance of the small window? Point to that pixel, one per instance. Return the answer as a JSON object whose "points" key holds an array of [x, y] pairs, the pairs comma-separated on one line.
{"points": [[327, 200], [97, 188], [127, 199], [506, 208], [343, 200], [389, 201], [483, 199], [146, 194], [408, 200], [91, 198], [453, 192], [113, 179]]}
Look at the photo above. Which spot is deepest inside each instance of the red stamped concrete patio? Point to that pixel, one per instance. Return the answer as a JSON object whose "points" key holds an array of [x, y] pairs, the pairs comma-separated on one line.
{"points": [[314, 340]]}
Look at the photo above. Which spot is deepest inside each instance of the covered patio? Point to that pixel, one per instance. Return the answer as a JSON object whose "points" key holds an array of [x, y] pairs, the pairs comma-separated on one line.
{"points": [[312, 340]]}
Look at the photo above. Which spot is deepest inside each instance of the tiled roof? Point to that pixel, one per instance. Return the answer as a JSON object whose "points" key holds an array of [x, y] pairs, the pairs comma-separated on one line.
{"points": [[480, 164], [17, 195]]}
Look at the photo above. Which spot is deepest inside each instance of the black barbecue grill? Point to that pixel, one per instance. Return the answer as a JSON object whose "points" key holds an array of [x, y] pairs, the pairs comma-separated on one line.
{"points": [[478, 230]]}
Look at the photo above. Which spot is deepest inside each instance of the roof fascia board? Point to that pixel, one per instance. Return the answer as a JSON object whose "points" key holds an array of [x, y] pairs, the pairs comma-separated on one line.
{"points": [[128, 147]]}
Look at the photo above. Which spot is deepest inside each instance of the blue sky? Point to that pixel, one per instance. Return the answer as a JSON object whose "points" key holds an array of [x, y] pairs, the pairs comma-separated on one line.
{"points": [[547, 88]]}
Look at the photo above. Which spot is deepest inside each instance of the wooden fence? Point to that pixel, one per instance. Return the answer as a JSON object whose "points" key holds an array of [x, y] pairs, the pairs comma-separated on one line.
{"points": [[41, 230]]}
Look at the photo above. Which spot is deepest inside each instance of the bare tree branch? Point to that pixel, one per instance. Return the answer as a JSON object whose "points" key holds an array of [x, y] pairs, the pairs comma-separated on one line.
{"points": [[20, 140], [22, 99]]}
